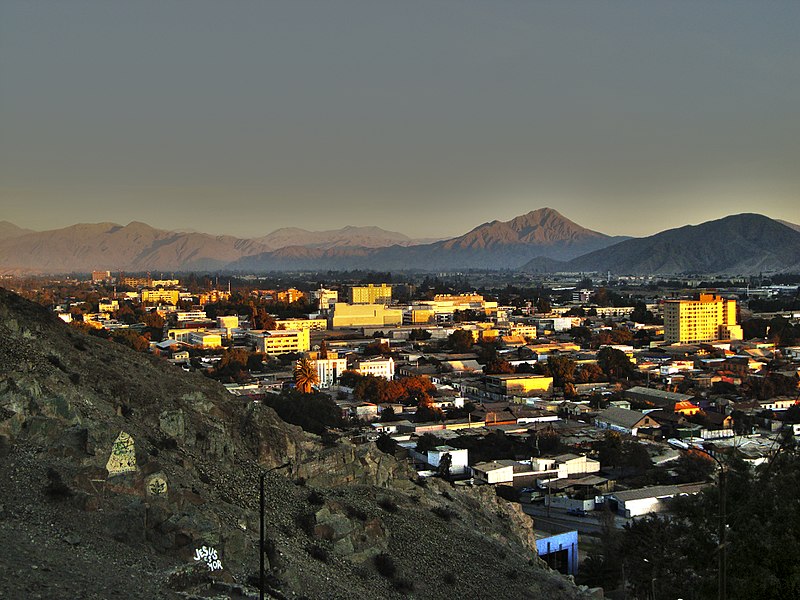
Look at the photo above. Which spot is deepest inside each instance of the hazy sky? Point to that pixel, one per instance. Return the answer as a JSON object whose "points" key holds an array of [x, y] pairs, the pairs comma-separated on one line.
{"points": [[424, 117]]}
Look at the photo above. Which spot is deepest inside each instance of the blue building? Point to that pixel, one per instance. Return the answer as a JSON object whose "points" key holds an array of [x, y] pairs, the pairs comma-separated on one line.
{"points": [[560, 551]]}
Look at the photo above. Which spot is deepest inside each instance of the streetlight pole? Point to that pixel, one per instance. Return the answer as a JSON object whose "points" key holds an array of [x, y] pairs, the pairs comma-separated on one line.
{"points": [[261, 541]]}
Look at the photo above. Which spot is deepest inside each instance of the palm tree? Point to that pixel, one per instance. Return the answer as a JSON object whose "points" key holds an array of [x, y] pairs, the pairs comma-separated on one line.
{"points": [[305, 375]]}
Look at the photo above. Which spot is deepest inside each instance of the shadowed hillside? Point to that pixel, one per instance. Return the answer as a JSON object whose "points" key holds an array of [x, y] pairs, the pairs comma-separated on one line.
{"points": [[118, 468]]}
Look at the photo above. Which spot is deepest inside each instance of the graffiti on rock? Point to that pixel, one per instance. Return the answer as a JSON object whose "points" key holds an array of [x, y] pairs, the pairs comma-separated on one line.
{"points": [[209, 556], [123, 455]]}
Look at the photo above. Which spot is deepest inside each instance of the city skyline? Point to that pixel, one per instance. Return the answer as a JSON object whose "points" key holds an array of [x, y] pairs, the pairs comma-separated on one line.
{"points": [[427, 119]]}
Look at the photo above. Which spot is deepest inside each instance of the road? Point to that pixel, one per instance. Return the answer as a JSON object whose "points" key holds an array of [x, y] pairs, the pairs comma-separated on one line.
{"points": [[559, 520]]}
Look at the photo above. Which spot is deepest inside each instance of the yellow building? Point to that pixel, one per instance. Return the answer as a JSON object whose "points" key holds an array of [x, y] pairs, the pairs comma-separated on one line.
{"points": [[364, 315], [205, 339], [705, 320], [307, 324], [371, 294], [518, 385], [289, 296], [212, 297], [282, 341], [160, 296], [418, 316]]}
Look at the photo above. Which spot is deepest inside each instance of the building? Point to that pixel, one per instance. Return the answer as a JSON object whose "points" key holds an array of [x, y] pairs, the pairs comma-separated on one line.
{"points": [[325, 298], [656, 398], [707, 319], [371, 294], [212, 297], [308, 324], [160, 296], [379, 367], [289, 296], [183, 316], [624, 421], [280, 341], [133, 282], [228, 323], [329, 368], [165, 283], [635, 503], [205, 339], [108, 306], [101, 276], [364, 315], [559, 551], [459, 458], [493, 472], [507, 385]]}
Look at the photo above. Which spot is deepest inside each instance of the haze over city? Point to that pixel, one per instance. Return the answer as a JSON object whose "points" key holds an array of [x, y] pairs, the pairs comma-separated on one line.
{"points": [[424, 118]]}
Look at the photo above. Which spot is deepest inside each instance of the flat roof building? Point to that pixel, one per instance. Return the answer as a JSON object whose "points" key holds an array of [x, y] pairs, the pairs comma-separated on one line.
{"points": [[707, 319]]}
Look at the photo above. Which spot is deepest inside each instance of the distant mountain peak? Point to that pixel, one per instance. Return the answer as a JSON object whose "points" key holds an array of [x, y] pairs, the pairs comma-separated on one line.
{"points": [[740, 244]]}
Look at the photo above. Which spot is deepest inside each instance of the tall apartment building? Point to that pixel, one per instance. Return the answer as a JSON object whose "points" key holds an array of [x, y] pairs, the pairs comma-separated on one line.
{"points": [[705, 320], [371, 294]]}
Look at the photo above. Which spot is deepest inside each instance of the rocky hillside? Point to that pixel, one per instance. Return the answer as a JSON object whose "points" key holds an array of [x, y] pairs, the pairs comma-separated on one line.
{"points": [[125, 477]]}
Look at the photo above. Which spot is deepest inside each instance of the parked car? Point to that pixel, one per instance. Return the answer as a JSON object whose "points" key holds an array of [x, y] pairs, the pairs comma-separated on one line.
{"points": [[578, 512]]}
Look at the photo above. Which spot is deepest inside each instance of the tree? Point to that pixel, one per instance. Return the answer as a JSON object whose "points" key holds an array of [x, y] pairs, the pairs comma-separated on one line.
{"points": [[640, 314], [427, 441], [543, 305], [635, 456], [418, 335], [610, 449], [388, 415], [589, 373], [461, 341], [498, 366], [562, 369], [444, 465], [305, 375], [233, 365], [614, 363], [131, 339]]}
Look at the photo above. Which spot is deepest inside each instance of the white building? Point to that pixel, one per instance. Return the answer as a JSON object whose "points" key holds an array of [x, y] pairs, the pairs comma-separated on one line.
{"points": [[380, 367], [634, 503], [494, 472], [329, 369], [459, 458]]}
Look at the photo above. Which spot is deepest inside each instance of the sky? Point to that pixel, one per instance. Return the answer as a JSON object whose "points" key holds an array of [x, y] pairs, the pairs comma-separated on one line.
{"points": [[424, 117]]}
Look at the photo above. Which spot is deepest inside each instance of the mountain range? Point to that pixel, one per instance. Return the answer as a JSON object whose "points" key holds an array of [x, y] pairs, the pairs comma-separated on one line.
{"points": [[735, 245], [542, 240]]}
